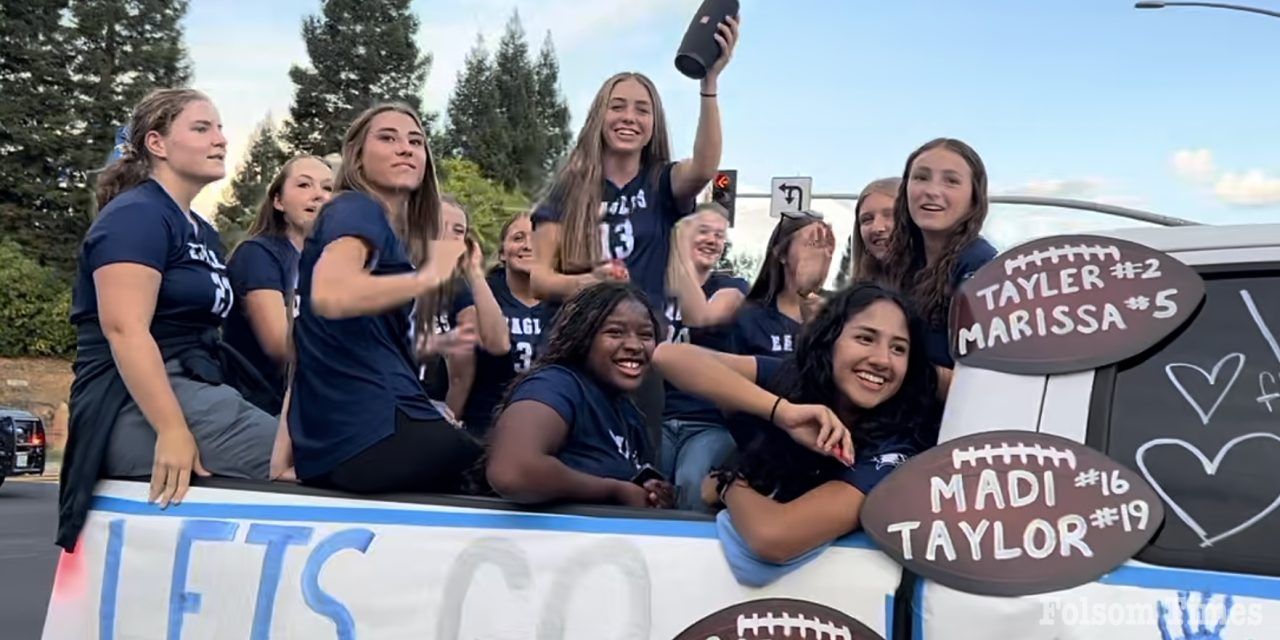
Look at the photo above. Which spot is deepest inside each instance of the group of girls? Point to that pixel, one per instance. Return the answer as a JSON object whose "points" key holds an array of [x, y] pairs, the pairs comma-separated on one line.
{"points": [[603, 359]]}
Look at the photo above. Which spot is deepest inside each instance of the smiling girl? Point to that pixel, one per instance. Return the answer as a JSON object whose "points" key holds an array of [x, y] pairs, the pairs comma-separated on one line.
{"points": [[938, 217], [359, 418], [567, 429], [874, 231], [509, 281], [858, 359]]}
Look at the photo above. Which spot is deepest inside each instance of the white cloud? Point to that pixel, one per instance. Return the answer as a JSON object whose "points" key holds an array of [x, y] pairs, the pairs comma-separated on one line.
{"points": [[1195, 165], [1249, 189], [1059, 188]]}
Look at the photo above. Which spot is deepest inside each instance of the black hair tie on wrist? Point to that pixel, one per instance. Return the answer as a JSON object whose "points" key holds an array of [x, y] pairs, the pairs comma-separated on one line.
{"points": [[707, 95], [774, 412]]}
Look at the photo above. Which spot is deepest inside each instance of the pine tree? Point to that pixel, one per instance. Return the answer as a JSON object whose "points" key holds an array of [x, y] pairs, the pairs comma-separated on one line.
{"points": [[507, 115], [513, 77], [362, 52], [553, 111], [124, 50], [45, 208], [475, 131], [247, 189]]}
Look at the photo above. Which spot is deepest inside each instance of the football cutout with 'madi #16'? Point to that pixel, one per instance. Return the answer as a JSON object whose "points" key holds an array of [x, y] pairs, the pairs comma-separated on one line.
{"points": [[1012, 513], [1070, 303]]}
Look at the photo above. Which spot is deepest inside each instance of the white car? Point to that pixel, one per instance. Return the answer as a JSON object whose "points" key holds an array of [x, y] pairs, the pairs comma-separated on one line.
{"points": [[1199, 417]]}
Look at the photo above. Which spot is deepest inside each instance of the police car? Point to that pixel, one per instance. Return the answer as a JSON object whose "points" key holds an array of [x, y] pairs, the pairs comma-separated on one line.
{"points": [[22, 444]]}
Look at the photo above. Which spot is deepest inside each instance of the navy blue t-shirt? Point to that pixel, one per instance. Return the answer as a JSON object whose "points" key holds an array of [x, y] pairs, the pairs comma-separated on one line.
{"points": [[260, 263], [871, 464], [494, 373], [354, 373], [606, 430], [679, 404], [144, 225], [433, 373], [937, 343], [637, 226], [763, 331]]}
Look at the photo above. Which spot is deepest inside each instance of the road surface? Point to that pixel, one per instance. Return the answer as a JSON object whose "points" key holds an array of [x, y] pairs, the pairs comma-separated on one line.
{"points": [[28, 518]]}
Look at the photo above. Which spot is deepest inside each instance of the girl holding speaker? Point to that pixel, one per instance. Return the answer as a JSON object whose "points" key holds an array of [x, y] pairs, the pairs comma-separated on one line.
{"points": [[610, 209]]}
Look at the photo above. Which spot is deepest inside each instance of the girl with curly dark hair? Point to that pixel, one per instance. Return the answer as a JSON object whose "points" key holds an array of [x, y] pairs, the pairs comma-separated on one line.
{"points": [[858, 359]]}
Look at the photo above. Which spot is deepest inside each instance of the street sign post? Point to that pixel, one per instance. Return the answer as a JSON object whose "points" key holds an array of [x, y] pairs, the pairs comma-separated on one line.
{"points": [[789, 195]]}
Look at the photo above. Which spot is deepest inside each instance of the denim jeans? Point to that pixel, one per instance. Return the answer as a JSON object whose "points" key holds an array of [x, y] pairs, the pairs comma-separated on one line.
{"points": [[689, 451]]}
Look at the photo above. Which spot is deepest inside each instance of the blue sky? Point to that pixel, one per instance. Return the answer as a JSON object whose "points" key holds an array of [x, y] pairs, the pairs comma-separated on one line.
{"points": [[1172, 111]]}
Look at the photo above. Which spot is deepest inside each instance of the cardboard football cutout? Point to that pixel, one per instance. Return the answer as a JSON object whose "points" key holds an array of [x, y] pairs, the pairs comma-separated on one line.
{"points": [[778, 619], [1012, 513], [1070, 303]]}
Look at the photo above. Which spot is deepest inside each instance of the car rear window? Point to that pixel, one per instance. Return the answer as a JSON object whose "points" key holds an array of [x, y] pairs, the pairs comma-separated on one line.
{"points": [[1199, 416]]}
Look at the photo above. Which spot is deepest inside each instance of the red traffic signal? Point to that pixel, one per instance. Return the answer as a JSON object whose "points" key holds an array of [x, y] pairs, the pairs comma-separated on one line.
{"points": [[724, 190]]}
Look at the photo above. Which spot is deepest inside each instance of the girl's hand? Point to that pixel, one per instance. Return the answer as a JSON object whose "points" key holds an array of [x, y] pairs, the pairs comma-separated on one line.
{"points": [[176, 457], [817, 246], [727, 37], [472, 262], [444, 258], [817, 428], [457, 342]]}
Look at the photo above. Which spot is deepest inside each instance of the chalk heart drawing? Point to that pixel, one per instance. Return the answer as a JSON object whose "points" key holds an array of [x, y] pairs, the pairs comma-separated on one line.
{"points": [[1172, 370], [1211, 468]]}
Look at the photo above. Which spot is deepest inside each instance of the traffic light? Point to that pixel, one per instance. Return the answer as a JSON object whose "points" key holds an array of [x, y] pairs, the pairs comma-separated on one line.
{"points": [[724, 190]]}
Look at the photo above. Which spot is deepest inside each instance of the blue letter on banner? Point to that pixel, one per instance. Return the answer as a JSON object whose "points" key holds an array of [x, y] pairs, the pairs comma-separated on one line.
{"points": [[277, 538], [321, 602], [182, 602]]}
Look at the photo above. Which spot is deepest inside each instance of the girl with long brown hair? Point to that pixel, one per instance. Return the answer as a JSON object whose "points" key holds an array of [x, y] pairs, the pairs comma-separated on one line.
{"points": [[151, 394], [937, 241], [609, 212], [264, 268], [358, 416], [796, 262]]}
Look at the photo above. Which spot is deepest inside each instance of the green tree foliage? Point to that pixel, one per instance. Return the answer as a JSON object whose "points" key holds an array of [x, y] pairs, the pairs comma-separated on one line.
{"points": [[553, 111], [362, 52], [475, 131], [47, 206], [70, 72], [488, 204], [34, 307], [506, 113], [247, 189]]}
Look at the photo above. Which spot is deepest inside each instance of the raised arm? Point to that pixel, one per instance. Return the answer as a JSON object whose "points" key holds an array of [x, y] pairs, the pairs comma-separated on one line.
{"points": [[343, 286], [689, 177], [491, 324], [127, 295], [523, 468], [778, 532]]}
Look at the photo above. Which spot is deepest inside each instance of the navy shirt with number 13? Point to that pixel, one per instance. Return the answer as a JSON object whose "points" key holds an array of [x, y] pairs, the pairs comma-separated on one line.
{"points": [[636, 227]]}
